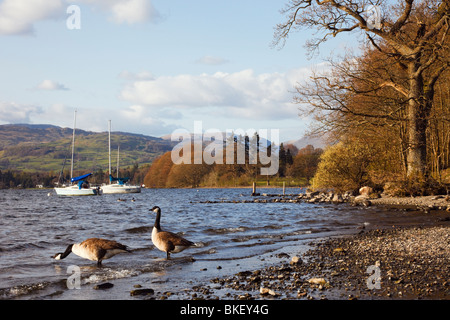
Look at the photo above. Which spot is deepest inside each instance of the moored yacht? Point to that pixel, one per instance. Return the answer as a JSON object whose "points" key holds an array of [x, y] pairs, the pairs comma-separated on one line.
{"points": [[117, 185]]}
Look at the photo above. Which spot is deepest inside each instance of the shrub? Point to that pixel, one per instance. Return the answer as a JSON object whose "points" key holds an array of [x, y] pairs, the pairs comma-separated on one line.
{"points": [[344, 166]]}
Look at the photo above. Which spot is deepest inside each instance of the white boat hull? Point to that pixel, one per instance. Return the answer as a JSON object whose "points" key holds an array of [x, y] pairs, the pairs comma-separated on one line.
{"points": [[76, 191], [117, 189]]}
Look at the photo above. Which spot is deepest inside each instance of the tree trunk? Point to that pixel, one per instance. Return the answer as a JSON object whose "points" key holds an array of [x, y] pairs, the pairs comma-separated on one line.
{"points": [[417, 124]]}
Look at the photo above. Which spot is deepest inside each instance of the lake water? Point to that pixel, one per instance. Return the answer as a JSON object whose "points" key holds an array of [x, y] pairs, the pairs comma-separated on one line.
{"points": [[230, 237]]}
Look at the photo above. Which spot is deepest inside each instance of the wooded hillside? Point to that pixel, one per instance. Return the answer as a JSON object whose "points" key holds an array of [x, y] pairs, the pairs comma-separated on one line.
{"points": [[296, 167], [33, 155]]}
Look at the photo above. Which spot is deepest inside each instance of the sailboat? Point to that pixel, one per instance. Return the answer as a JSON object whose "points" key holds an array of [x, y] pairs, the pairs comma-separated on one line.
{"points": [[80, 186], [121, 184]]}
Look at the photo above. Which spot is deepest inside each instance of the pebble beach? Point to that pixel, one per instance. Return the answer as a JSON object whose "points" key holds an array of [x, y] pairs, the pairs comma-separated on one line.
{"points": [[412, 263], [398, 262]]}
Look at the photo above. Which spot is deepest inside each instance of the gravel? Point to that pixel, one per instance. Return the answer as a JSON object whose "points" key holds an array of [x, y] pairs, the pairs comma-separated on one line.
{"points": [[399, 263], [441, 202], [412, 263]]}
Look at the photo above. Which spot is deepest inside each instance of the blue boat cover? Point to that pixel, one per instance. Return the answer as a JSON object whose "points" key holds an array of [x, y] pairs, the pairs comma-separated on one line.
{"points": [[80, 177], [120, 181]]}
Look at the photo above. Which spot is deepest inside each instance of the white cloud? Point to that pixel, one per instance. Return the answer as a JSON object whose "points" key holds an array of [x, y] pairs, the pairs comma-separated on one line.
{"points": [[12, 112], [142, 119], [126, 11], [51, 85], [133, 11], [128, 119], [19, 16], [242, 94], [143, 75], [211, 60]]}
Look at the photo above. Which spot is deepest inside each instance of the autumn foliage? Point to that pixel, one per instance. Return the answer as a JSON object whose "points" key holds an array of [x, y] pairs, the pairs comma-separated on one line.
{"points": [[296, 167]]}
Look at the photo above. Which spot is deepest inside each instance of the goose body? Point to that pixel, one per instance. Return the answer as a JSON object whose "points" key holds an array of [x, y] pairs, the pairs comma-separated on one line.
{"points": [[94, 249], [166, 241]]}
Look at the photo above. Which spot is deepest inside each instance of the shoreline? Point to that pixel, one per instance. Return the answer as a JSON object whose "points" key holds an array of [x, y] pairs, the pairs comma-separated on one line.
{"points": [[407, 261], [401, 263], [432, 202], [423, 203]]}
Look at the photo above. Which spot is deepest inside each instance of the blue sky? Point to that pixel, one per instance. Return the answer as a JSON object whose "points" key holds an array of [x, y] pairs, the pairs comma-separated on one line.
{"points": [[152, 66]]}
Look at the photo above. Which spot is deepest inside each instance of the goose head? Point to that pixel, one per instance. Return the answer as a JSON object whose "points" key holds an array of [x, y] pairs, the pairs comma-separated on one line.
{"points": [[62, 255], [156, 209]]}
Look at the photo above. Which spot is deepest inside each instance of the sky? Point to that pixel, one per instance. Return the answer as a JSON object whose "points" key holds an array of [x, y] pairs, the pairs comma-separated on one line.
{"points": [[153, 66]]}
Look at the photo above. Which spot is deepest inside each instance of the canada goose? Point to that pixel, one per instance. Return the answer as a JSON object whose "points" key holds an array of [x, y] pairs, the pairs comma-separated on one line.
{"points": [[94, 249], [167, 241]]}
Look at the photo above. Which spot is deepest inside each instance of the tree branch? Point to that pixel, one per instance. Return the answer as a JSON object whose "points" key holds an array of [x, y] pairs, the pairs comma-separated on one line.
{"points": [[398, 88], [433, 31], [403, 18]]}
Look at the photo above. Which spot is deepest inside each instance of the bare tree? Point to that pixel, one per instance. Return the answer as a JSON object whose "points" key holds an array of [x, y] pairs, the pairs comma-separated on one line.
{"points": [[414, 33]]}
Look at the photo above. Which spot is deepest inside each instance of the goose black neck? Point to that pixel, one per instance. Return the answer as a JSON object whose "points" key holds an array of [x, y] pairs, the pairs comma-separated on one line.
{"points": [[67, 252], [158, 218]]}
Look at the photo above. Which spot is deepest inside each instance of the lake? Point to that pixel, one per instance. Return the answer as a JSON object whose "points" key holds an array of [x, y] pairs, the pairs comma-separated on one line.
{"points": [[229, 237]]}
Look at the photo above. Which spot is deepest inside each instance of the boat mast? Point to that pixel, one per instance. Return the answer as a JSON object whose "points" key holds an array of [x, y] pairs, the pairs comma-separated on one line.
{"points": [[109, 149], [118, 152], [73, 143]]}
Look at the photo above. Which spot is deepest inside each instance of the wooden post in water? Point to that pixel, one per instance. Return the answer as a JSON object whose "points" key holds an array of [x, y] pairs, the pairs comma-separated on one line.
{"points": [[284, 188], [254, 190]]}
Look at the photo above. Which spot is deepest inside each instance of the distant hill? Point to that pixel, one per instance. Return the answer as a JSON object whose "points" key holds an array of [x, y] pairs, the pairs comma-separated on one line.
{"points": [[317, 142], [44, 147], [207, 137]]}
